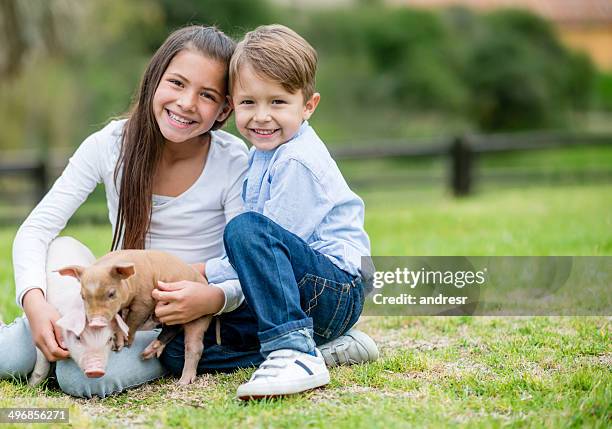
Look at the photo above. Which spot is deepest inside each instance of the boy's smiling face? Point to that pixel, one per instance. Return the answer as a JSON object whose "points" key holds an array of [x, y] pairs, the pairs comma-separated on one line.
{"points": [[268, 115]]}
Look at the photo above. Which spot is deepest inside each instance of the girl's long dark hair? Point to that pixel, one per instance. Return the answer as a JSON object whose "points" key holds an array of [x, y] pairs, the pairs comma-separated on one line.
{"points": [[142, 141]]}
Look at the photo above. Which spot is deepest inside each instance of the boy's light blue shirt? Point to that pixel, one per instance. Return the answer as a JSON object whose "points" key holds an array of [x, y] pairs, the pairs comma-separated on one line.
{"points": [[299, 186]]}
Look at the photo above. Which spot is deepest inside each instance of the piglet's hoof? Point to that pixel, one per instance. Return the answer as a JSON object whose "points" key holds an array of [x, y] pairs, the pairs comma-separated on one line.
{"points": [[187, 379], [119, 340], [154, 349], [118, 344]]}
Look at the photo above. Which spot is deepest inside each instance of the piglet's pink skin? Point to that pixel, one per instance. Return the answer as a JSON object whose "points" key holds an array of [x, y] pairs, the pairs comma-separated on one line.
{"points": [[123, 281], [88, 347]]}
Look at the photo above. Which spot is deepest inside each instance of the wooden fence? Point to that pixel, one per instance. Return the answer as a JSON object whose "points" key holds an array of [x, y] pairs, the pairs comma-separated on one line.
{"points": [[462, 153], [37, 171]]}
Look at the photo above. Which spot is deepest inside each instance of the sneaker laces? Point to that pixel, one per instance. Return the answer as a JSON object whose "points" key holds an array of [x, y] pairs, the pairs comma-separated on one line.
{"points": [[275, 361]]}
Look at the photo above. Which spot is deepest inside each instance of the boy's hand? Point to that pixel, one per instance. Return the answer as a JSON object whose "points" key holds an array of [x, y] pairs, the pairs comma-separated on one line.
{"points": [[184, 301], [46, 334]]}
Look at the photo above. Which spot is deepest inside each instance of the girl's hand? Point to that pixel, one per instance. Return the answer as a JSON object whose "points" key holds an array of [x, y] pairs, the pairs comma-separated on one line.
{"points": [[184, 301], [46, 334]]}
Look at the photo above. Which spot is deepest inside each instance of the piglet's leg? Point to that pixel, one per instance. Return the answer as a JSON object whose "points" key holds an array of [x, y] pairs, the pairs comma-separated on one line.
{"points": [[166, 335], [135, 319], [119, 338], [194, 345], [41, 369]]}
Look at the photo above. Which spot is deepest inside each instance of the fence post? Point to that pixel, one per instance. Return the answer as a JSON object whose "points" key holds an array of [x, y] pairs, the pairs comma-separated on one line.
{"points": [[40, 178], [461, 161]]}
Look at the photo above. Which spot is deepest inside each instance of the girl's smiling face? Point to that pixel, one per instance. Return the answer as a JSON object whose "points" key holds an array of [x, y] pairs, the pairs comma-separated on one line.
{"points": [[190, 96]]}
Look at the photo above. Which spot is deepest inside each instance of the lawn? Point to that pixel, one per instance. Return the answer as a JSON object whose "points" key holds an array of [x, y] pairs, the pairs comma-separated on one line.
{"points": [[434, 371]]}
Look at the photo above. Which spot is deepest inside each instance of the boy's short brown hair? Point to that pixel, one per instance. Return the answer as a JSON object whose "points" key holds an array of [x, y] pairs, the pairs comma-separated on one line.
{"points": [[280, 54]]}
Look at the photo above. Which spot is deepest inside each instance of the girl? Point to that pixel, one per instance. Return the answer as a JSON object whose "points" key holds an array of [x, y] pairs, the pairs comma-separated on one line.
{"points": [[172, 183]]}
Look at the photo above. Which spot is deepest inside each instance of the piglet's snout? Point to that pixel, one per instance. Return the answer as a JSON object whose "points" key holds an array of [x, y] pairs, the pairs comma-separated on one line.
{"points": [[95, 373], [94, 368], [98, 322]]}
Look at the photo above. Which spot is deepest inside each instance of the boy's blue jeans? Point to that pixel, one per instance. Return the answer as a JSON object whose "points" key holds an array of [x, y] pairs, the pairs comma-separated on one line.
{"points": [[295, 298]]}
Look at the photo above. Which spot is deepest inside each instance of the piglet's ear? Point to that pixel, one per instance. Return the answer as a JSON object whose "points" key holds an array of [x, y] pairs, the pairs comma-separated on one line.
{"points": [[73, 321], [124, 328], [74, 317], [75, 271], [123, 270]]}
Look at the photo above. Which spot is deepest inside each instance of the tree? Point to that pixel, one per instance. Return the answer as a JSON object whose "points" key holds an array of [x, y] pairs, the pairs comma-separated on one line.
{"points": [[30, 28]]}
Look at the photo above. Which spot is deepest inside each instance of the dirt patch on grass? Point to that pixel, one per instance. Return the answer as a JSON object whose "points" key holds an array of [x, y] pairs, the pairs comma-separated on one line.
{"points": [[389, 340], [463, 366], [132, 408], [393, 342], [338, 396], [604, 360]]}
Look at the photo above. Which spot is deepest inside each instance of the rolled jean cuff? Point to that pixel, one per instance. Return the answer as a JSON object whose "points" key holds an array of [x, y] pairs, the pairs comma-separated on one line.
{"points": [[295, 335]]}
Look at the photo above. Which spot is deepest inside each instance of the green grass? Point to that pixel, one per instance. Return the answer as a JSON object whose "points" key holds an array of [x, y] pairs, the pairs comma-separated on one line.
{"points": [[534, 221], [434, 371]]}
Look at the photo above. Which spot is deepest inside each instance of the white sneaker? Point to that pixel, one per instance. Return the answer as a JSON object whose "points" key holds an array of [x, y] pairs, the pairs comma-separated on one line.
{"points": [[285, 372], [350, 348]]}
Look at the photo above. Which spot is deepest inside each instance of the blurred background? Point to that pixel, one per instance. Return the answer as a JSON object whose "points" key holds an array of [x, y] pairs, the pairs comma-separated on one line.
{"points": [[419, 97]]}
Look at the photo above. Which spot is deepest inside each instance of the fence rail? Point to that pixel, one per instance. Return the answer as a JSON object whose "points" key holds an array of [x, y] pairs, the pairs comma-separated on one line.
{"points": [[461, 151], [37, 171]]}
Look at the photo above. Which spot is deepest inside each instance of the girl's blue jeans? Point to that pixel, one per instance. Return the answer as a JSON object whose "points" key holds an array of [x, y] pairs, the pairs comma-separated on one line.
{"points": [[295, 298]]}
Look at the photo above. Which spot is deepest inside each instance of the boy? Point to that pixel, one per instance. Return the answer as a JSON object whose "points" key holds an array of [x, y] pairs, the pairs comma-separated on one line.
{"points": [[297, 248]]}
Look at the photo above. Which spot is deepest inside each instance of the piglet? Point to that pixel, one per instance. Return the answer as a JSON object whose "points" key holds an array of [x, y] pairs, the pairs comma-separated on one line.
{"points": [[89, 347], [123, 281]]}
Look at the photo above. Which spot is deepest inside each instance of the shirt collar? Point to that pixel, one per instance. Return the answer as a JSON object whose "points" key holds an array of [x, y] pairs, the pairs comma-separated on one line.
{"points": [[300, 131]]}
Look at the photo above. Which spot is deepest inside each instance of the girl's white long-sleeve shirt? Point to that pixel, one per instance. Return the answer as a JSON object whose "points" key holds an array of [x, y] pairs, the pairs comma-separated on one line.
{"points": [[189, 225]]}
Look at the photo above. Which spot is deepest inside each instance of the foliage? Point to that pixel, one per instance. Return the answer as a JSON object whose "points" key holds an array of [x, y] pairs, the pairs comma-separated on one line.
{"points": [[603, 92], [387, 57], [32, 28], [520, 76], [409, 50], [235, 17], [505, 70], [57, 101], [452, 71]]}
